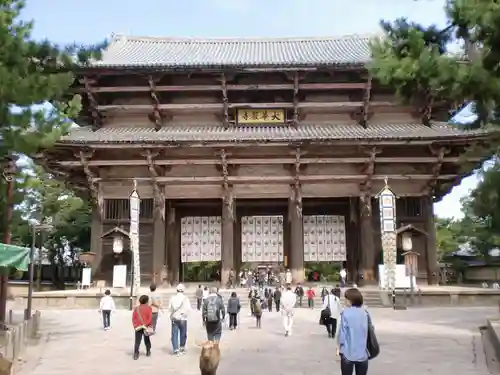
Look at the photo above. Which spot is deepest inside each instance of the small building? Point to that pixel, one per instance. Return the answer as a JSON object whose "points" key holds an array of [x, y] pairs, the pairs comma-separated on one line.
{"points": [[250, 151]]}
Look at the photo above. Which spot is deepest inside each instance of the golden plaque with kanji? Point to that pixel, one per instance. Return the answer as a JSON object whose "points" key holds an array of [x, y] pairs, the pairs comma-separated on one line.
{"points": [[260, 116]]}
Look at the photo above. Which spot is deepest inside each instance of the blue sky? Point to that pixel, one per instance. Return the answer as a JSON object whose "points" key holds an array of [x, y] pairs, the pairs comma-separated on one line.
{"points": [[92, 21]]}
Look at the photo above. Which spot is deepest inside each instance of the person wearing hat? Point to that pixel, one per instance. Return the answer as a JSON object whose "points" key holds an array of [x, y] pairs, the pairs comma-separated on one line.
{"points": [[179, 308]]}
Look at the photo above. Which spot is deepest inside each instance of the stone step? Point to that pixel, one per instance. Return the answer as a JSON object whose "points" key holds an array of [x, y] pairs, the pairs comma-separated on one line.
{"points": [[371, 299]]}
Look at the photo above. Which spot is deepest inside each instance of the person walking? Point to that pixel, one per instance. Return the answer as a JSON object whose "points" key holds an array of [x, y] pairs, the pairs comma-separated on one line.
{"points": [[310, 297], [353, 335], [199, 297], [142, 321], [269, 300], [287, 304], [324, 293], [332, 303], [213, 314], [155, 303], [106, 307], [257, 311], [179, 307], [343, 277], [299, 291], [233, 309], [277, 298]]}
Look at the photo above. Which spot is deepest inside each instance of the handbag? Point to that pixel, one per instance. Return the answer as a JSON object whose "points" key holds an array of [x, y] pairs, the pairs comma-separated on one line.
{"points": [[148, 331], [371, 340]]}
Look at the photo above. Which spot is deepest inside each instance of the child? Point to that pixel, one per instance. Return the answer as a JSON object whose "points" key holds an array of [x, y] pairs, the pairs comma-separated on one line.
{"points": [[106, 306], [257, 311], [142, 320], [310, 297]]}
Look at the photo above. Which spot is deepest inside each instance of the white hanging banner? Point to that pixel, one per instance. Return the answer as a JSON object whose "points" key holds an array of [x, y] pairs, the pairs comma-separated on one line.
{"points": [[135, 204], [324, 238], [262, 238], [201, 239]]}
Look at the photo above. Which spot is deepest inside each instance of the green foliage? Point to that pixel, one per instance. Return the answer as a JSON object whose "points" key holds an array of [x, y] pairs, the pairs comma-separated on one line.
{"points": [[32, 73], [413, 58], [448, 234]]}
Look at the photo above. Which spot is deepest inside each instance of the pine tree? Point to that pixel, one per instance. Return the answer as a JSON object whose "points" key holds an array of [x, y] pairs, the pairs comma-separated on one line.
{"points": [[415, 59], [33, 73]]}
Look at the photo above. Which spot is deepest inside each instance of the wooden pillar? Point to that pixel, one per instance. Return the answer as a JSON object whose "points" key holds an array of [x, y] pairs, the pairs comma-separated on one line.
{"points": [[366, 240], [173, 245], [430, 246], [96, 239], [296, 261], [227, 253], [159, 230]]}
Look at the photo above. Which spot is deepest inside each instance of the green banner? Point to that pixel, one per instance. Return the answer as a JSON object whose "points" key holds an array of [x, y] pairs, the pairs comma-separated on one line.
{"points": [[14, 256]]}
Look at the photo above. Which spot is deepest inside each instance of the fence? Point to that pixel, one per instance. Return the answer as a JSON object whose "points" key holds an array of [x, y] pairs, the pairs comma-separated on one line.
{"points": [[17, 337]]}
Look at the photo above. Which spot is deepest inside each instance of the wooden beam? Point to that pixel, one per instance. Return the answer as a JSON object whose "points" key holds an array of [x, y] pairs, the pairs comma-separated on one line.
{"points": [[366, 103], [268, 161], [272, 179], [220, 106], [159, 197], [237, 87], [155, 101], [225, 101], [93, 103], [92, 181]]}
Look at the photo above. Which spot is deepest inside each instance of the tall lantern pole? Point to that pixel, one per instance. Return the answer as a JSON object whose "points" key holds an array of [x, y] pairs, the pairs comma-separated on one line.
{"points": [[387, 202], [135, 203]]}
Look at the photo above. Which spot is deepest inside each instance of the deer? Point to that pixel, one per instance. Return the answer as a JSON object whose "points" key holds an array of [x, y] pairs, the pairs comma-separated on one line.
{"points": [[209, 357]]}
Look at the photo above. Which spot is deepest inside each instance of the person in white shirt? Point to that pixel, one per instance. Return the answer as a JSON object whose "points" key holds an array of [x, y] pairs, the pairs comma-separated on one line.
{"points": [[332, 302], [288, 301], [179, 308], [205, 294], [106, 306], [343, 277]]}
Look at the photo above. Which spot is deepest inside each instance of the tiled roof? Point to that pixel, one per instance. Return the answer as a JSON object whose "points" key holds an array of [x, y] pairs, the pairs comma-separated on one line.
{"points": [[126, 51], [309, 132]]}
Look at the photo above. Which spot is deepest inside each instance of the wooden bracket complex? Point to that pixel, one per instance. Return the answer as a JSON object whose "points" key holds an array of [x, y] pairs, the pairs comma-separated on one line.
{"points": [[156, 116], [296, 193], [296, 80], [436, 168], [93, 185], [427, 109], [93, 104], [159, 197], [225, 101], [228, 197], [366, 185], [365, 112]]}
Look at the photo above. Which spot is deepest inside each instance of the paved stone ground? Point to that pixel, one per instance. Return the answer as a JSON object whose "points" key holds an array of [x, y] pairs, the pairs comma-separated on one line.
{"points": [[414, 342]]}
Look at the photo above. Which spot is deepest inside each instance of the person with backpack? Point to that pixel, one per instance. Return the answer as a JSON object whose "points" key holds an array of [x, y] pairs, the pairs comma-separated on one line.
{"points": [[257, 310], [213, 314], [299, 291]]}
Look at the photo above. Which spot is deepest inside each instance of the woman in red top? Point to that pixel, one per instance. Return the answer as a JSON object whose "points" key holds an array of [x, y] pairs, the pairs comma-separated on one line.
{"points": [[142, 318], [310, 297]]}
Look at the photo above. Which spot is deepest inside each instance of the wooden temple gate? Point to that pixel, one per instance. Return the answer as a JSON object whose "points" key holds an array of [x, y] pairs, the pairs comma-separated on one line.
{"points": [[254, 157]]}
